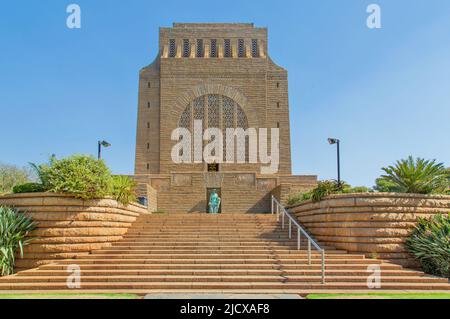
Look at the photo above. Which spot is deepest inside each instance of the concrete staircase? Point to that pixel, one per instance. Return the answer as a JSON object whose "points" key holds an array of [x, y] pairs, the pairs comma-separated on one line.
{"points": [[235, 253]]}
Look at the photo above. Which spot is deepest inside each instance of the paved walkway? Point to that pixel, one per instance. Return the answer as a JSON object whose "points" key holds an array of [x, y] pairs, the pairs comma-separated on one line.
{"points": [[221, 296]]}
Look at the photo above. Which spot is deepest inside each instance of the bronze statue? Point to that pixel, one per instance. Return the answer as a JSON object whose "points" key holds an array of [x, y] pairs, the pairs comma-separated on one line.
{"points": [[214, 202]]}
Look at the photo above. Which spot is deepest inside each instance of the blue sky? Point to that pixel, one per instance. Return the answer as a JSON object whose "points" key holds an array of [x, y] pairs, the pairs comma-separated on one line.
{"points": [[385, 93]]}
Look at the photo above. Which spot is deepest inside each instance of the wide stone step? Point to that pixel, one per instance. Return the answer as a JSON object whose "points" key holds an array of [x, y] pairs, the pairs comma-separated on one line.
{"points": [[243, 256], [222, 253], [217, 250], [212, 272], [109, 259], [209, 278], [220, 285], [212, 246], [89, 265]]}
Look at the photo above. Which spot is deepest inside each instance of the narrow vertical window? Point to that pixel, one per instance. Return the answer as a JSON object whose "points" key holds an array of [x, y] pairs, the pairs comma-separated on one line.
{"points": [[148, 124], [278, 124], [241, 48], [172, 48], [278, 84], [278, 104], [148, 104], [255, 51], [227, 48], [186, 48], [200, 49], [149, 85], [213, 53], [148, 166], [148, 145]]}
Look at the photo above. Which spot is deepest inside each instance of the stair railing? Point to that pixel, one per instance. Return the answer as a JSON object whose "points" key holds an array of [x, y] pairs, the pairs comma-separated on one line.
{"points": [[279, 209]]}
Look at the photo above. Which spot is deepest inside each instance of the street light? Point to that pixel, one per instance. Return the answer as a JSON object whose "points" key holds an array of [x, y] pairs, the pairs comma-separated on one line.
{"points": [[336, 141], [100, 144]]}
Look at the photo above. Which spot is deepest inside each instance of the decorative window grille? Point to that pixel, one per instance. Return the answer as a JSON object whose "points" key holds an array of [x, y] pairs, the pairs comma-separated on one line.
{"points": [[172, 48], [241, 48], [255, 51], [228, 113], [199, 109], [186, 48], [213, 111], [227, 48], [200, 49], [185, 120], [213, 48], [219, 111]]}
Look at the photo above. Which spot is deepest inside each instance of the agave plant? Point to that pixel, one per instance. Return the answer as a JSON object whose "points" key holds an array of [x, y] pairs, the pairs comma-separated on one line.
{"points": [[417, 176], [122, 188], [14, 230], [430, 244], [41, 169]]}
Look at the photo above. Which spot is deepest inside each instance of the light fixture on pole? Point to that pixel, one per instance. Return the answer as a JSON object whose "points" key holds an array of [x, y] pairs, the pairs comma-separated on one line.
{"points": [[100, 144], [336, 141]]}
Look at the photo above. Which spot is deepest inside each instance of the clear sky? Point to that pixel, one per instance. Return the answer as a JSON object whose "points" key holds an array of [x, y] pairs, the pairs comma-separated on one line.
{"points": [[385, 93]]}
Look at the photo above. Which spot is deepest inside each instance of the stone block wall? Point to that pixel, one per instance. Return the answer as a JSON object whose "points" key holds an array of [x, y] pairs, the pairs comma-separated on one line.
{"points": [[241, 192], [70, 227], [375, 224]]}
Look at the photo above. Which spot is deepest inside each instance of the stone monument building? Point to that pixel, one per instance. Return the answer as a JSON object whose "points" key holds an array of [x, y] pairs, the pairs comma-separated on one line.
{"points": [[221, 74]]}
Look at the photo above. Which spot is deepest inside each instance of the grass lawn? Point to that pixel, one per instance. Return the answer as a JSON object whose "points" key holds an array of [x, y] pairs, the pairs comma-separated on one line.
{"points": [[406, 295], [68, 296]]}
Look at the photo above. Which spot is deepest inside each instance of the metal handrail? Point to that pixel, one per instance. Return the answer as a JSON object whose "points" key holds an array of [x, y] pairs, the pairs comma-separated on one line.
{"points": [[280, 210]]}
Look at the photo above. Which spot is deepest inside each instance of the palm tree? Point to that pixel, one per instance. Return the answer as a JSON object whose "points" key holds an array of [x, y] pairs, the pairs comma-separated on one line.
{"points": [[418, 176]]}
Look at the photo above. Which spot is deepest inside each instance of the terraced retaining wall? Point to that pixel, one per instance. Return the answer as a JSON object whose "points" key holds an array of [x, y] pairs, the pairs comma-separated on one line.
{"points": [[376, 224], [69, 227]]}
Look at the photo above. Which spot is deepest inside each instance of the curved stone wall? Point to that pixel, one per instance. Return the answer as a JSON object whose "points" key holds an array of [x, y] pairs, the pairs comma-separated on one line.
{"points": [[70, 227], [376, 224]]}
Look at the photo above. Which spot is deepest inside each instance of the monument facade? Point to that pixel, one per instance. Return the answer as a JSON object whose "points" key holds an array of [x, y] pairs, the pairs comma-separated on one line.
{"points": [[219, 74]]}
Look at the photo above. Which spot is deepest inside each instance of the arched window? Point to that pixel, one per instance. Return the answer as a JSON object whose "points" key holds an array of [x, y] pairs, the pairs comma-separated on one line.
{"points": [[216, 111]]}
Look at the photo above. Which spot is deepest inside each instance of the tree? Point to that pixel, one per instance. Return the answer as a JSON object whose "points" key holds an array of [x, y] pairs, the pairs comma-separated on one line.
{"points": [[416, 176], [11, 175], [383, 185]]}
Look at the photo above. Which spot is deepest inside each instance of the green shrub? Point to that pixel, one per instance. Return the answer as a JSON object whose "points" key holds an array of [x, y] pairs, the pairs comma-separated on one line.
{"points": [[14, 230], [122, 188], [430, 244], [356, 189], [82, 176], [298, 198], [325, 188], [418, 176], [29, 188]]}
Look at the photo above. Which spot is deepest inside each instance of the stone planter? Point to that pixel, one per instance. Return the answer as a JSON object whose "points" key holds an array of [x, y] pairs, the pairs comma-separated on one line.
{"points": [[375, 224], [70, 227]]}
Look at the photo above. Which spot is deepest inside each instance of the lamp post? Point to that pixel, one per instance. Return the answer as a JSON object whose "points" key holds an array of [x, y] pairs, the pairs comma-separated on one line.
{"points": [[336, 141], [100, 144]]}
